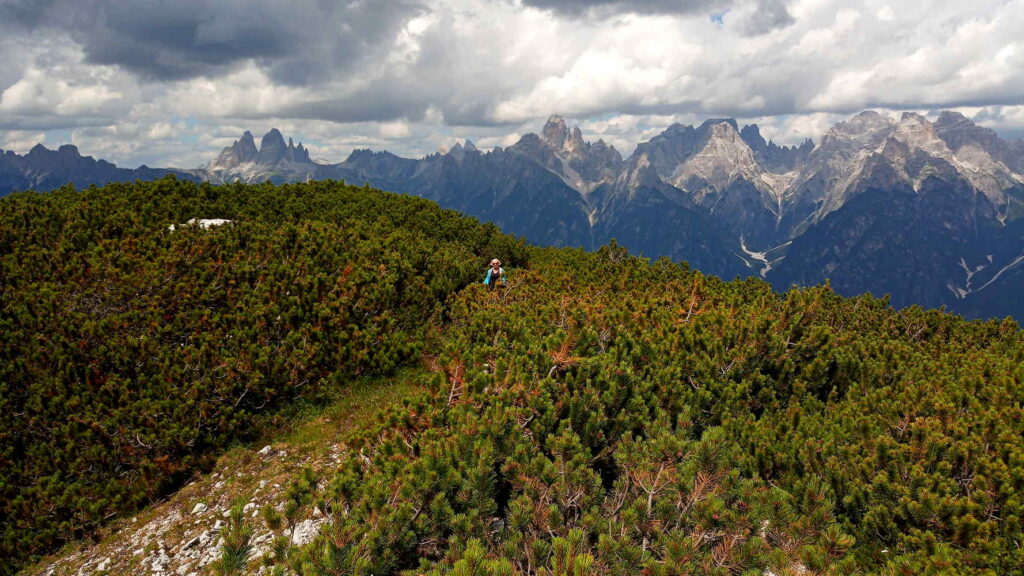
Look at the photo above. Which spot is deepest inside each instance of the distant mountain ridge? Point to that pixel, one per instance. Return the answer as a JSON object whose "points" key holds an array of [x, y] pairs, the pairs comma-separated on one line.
{"points": [[930, 213], [45, 169]]}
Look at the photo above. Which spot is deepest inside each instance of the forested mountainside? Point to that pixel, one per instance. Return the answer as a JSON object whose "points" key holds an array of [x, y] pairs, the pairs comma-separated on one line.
{"points": [[131, 353], [599, 414]]}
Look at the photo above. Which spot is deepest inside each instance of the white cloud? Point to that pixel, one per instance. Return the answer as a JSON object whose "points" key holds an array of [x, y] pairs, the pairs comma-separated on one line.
{"points": [[492, 69], [393, 130], [20, 141]]}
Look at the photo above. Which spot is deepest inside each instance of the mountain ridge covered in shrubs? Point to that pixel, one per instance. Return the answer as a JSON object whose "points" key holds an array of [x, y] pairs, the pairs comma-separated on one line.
{"points": [[599, 414]]}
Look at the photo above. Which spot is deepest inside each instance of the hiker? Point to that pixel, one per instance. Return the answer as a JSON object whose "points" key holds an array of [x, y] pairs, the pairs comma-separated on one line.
{"points": [[495, 274]]}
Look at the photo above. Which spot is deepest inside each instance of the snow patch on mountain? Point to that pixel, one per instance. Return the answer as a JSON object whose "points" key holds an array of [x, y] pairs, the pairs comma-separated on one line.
{"points": [[763, 257], [962, 292], [1013, 264]]}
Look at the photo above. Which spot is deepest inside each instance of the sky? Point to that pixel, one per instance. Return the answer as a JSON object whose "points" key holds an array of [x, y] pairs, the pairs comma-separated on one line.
{"points": [[170, 83]]}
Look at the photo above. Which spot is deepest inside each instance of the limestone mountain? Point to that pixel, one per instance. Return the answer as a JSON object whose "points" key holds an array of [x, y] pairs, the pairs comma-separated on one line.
{"points": [[924, 212], [582, 165], [44, 169], [501, 186], [274, 160]]}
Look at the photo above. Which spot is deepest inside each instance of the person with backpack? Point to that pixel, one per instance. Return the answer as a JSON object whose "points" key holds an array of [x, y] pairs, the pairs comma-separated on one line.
{"points": [[495, 274]]}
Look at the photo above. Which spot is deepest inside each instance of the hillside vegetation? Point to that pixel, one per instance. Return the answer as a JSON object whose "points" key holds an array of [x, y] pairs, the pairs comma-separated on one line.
{"points": [[131, 353], [610, 416], [601, 414]]}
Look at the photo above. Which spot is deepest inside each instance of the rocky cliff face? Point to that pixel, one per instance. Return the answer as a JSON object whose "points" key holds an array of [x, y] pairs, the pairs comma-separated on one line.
{"points": [[242, 151], [274, 160], [582, 165], [907, 208]]}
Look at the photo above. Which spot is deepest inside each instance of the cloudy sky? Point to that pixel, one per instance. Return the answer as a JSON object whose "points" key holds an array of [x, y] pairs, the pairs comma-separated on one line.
{"points": [[172, 82]]}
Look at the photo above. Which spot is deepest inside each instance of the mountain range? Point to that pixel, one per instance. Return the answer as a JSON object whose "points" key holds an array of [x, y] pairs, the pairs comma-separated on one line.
{"points": [[44, 169], [931, 213]]}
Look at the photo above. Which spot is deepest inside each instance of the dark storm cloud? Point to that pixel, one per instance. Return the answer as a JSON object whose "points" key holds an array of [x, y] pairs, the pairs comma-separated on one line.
{"points": [[769, 15], [371, 105], [296, 42], [762, 16], [579, 7]]}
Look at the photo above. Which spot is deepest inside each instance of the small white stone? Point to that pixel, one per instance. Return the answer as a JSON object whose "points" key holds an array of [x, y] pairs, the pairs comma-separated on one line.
{"points": [[305, 531], [265, 450], [160, 562], [199, 508], [193, 542]]}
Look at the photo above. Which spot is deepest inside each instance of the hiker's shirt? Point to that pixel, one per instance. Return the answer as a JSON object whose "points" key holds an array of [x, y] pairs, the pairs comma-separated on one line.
{"points": [[492, 279]]}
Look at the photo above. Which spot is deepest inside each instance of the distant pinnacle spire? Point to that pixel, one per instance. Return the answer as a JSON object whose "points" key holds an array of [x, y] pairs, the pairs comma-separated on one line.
{"points": [[555, 132]]}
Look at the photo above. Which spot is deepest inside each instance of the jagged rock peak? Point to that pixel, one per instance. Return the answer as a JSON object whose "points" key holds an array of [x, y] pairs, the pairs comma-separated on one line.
{"points": [[65, 150], [752, 135], [950, 119], [555, 132], [952, 125], [918, 133], [458, 152], [245, 148], [913, 123], [712, 122], [272, 148], [959, 132], [560, 138], [272, 138], [297, 153], [726, 128], [575, 141], [867, 128], [241, 151]]}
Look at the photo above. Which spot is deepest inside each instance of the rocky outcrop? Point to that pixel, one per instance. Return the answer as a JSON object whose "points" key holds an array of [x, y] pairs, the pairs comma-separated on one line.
{"points": [[275, 160], [240, 152], [183, 535], [582, 165]]}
